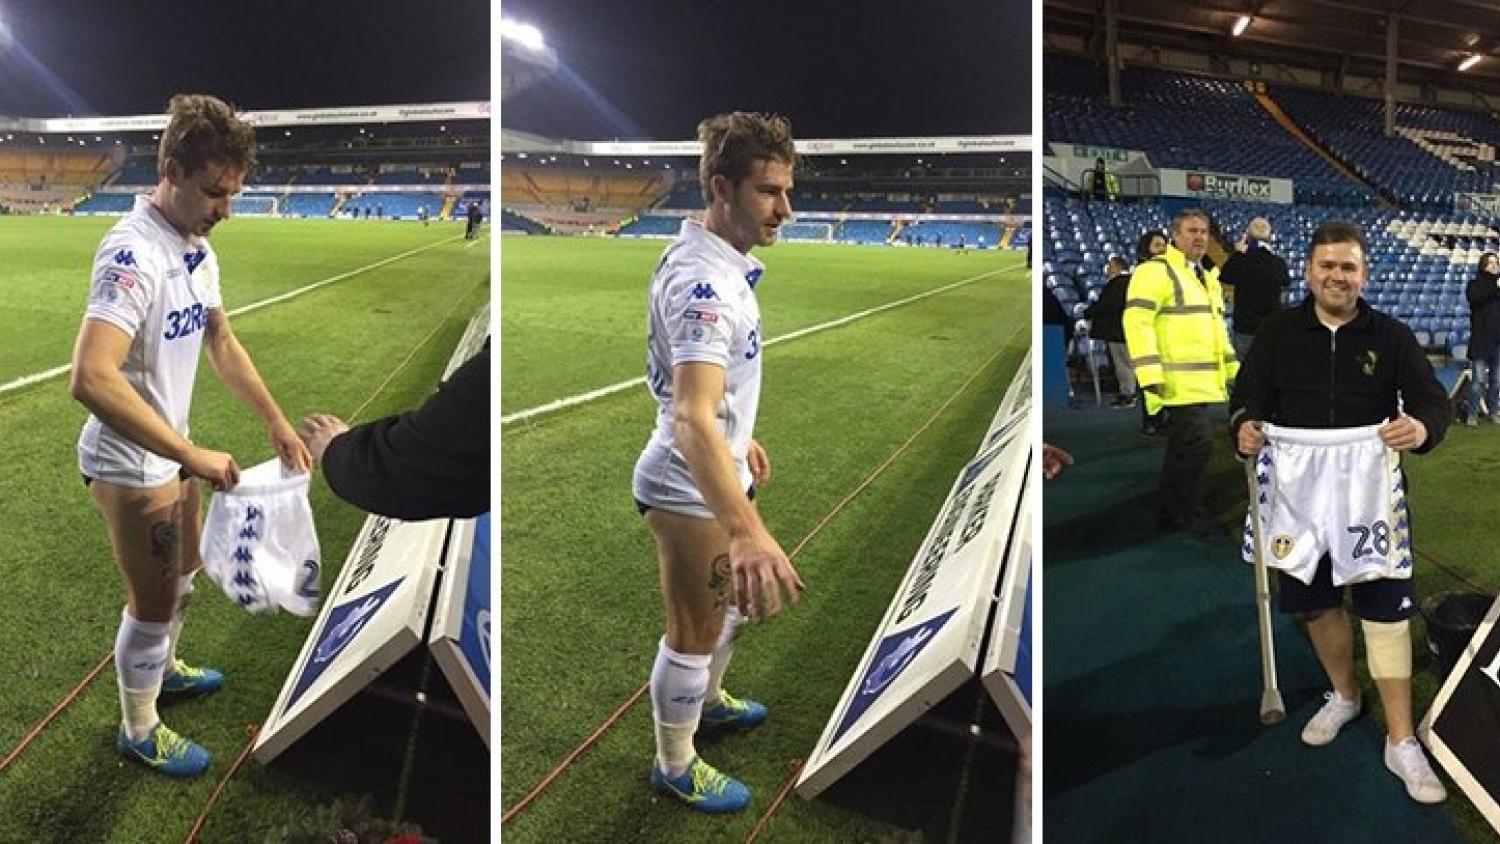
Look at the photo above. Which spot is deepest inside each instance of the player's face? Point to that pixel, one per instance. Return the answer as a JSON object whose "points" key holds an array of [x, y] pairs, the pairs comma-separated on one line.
{"points": [[201, 200], [761, 202], [1336, 273], [1191, 236]]}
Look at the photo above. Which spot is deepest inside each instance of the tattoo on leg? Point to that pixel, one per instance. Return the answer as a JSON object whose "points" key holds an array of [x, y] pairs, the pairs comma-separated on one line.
{"points": [[164, 542], [719, 581]]}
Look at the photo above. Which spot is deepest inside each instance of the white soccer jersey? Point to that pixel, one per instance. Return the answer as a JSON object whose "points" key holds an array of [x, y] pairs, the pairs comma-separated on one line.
{"points": [[157, 286], [1337, 491], [702, 310]]}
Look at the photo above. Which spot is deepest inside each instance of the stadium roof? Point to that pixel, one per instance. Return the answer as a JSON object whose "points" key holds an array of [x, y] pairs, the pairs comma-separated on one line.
{"points": [[1348, 36]]}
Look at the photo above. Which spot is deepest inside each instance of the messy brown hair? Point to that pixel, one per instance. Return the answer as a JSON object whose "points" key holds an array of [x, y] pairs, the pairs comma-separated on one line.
{"points": [[204, 129], [733, 142]]}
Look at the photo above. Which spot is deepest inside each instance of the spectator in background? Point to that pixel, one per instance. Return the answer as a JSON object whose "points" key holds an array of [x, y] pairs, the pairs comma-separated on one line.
{"points": [[424, 464], [1150, 245], [476, 219], [1258, 276], [1104, 324], [1099, 183], [1484, 339]]}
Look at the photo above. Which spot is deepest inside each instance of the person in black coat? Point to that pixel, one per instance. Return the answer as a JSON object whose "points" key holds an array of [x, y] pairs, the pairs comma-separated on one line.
{"points": [[1258, 277], [1484, 338], [1104, 317], [1151, 244], [427, 463]]}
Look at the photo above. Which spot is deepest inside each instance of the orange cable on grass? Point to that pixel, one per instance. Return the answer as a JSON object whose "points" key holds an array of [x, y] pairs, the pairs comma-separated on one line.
{"points": [[619, 713], [1452, 572], [252, 730], [57, 710], [786, 788]]}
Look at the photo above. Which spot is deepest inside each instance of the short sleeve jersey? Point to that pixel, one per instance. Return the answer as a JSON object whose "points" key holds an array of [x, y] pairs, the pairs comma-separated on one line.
{"points": [[702, 310], [157, 286]]}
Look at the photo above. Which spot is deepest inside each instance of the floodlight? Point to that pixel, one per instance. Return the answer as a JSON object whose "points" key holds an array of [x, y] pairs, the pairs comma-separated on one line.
{"points": [[1241, 25], [1469, 62], [524, 34]]}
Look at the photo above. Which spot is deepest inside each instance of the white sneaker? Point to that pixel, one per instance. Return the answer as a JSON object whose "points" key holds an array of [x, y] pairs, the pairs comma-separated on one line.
{"points": [[1325, 725], [1407, 761]]}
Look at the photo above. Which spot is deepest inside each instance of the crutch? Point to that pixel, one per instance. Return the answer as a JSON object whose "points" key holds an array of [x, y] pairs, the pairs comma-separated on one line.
{"points": [[1272, 710]]}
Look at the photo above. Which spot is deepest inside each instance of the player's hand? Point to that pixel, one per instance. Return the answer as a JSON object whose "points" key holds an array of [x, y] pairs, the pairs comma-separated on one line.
{"points": [[760, 464], [1403, 433], [318, 430], [216, 467], [1054, 460], [761, 571], [1249, 439], [289, 447]]}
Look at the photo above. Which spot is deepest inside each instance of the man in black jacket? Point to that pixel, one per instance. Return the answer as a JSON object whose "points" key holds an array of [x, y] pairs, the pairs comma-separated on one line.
{"points": [[1104, 321], [427, 463], [1258, 276], [1335, 362]]}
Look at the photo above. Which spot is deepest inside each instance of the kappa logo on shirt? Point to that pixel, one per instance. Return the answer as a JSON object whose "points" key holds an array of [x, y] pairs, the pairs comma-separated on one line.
{"points": [[193, 259], [124, 258], [754, 276], [704, 290]]}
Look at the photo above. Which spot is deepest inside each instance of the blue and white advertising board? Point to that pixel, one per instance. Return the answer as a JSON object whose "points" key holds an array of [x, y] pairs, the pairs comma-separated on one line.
{"points": [[929, 642], [460, 637], [374, 615]]}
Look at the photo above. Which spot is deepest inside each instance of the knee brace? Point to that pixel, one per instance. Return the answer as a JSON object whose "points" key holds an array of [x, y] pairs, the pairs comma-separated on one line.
{"points": [[1388, 648]]}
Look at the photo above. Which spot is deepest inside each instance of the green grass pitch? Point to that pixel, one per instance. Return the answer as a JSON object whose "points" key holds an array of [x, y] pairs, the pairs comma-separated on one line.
{"points": [[328, 350], [581, 614]]}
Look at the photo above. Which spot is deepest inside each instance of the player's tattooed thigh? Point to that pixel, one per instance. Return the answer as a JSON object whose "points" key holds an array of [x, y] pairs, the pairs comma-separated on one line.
{"points": [[165, 538], [719, 581]]}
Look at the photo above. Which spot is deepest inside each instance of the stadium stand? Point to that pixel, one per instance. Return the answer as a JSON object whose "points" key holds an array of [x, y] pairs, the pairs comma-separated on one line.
{"points": [[1423, 247], [1224, 114]]}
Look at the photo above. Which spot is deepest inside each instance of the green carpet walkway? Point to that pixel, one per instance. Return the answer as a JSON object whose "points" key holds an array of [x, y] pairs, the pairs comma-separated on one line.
{"points": [[1151, 674]]}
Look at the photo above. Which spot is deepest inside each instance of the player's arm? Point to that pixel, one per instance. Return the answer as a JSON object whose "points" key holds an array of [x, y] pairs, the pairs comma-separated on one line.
{"points": [[98, 385], [238, 373], [761, 569]]}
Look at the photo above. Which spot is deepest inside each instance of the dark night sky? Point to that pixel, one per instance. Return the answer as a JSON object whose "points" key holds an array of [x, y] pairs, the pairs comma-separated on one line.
{"points": [[837, 69], [130, 56]]}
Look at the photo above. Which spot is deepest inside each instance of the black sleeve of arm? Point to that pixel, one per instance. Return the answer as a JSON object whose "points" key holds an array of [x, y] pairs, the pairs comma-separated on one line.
{"points": [[430, 462], [1422, 394], [1480, 291], [1253, 388]]}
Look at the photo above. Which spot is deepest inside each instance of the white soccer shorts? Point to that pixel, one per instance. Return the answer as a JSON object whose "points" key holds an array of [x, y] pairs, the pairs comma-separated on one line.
{"points": [[1338, 491]]}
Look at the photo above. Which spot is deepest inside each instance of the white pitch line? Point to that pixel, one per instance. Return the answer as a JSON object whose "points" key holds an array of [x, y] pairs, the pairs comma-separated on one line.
{"points": [[55, 371], [601, 392]]}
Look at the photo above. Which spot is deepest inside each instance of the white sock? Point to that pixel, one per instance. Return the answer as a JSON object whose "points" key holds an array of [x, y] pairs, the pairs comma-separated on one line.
{"points": [[179, 612], [723, 650], [678, 682], [141, 649]]}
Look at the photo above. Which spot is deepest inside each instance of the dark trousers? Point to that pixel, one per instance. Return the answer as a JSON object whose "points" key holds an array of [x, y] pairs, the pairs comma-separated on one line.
{"points": [[1189, 440]]}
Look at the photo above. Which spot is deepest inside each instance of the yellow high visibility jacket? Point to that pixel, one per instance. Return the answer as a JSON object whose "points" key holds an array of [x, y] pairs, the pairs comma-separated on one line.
{"points": [[1175, 332]]}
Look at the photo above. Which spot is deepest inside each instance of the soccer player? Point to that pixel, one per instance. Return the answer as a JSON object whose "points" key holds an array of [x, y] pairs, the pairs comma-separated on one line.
{"points": [[693, 482], [154, 302]]}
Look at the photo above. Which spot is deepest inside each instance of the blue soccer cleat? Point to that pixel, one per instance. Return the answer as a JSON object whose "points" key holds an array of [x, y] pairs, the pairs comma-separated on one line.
{"points": [[731, 713], [702, 787], [165, 752], [187, 681]]}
